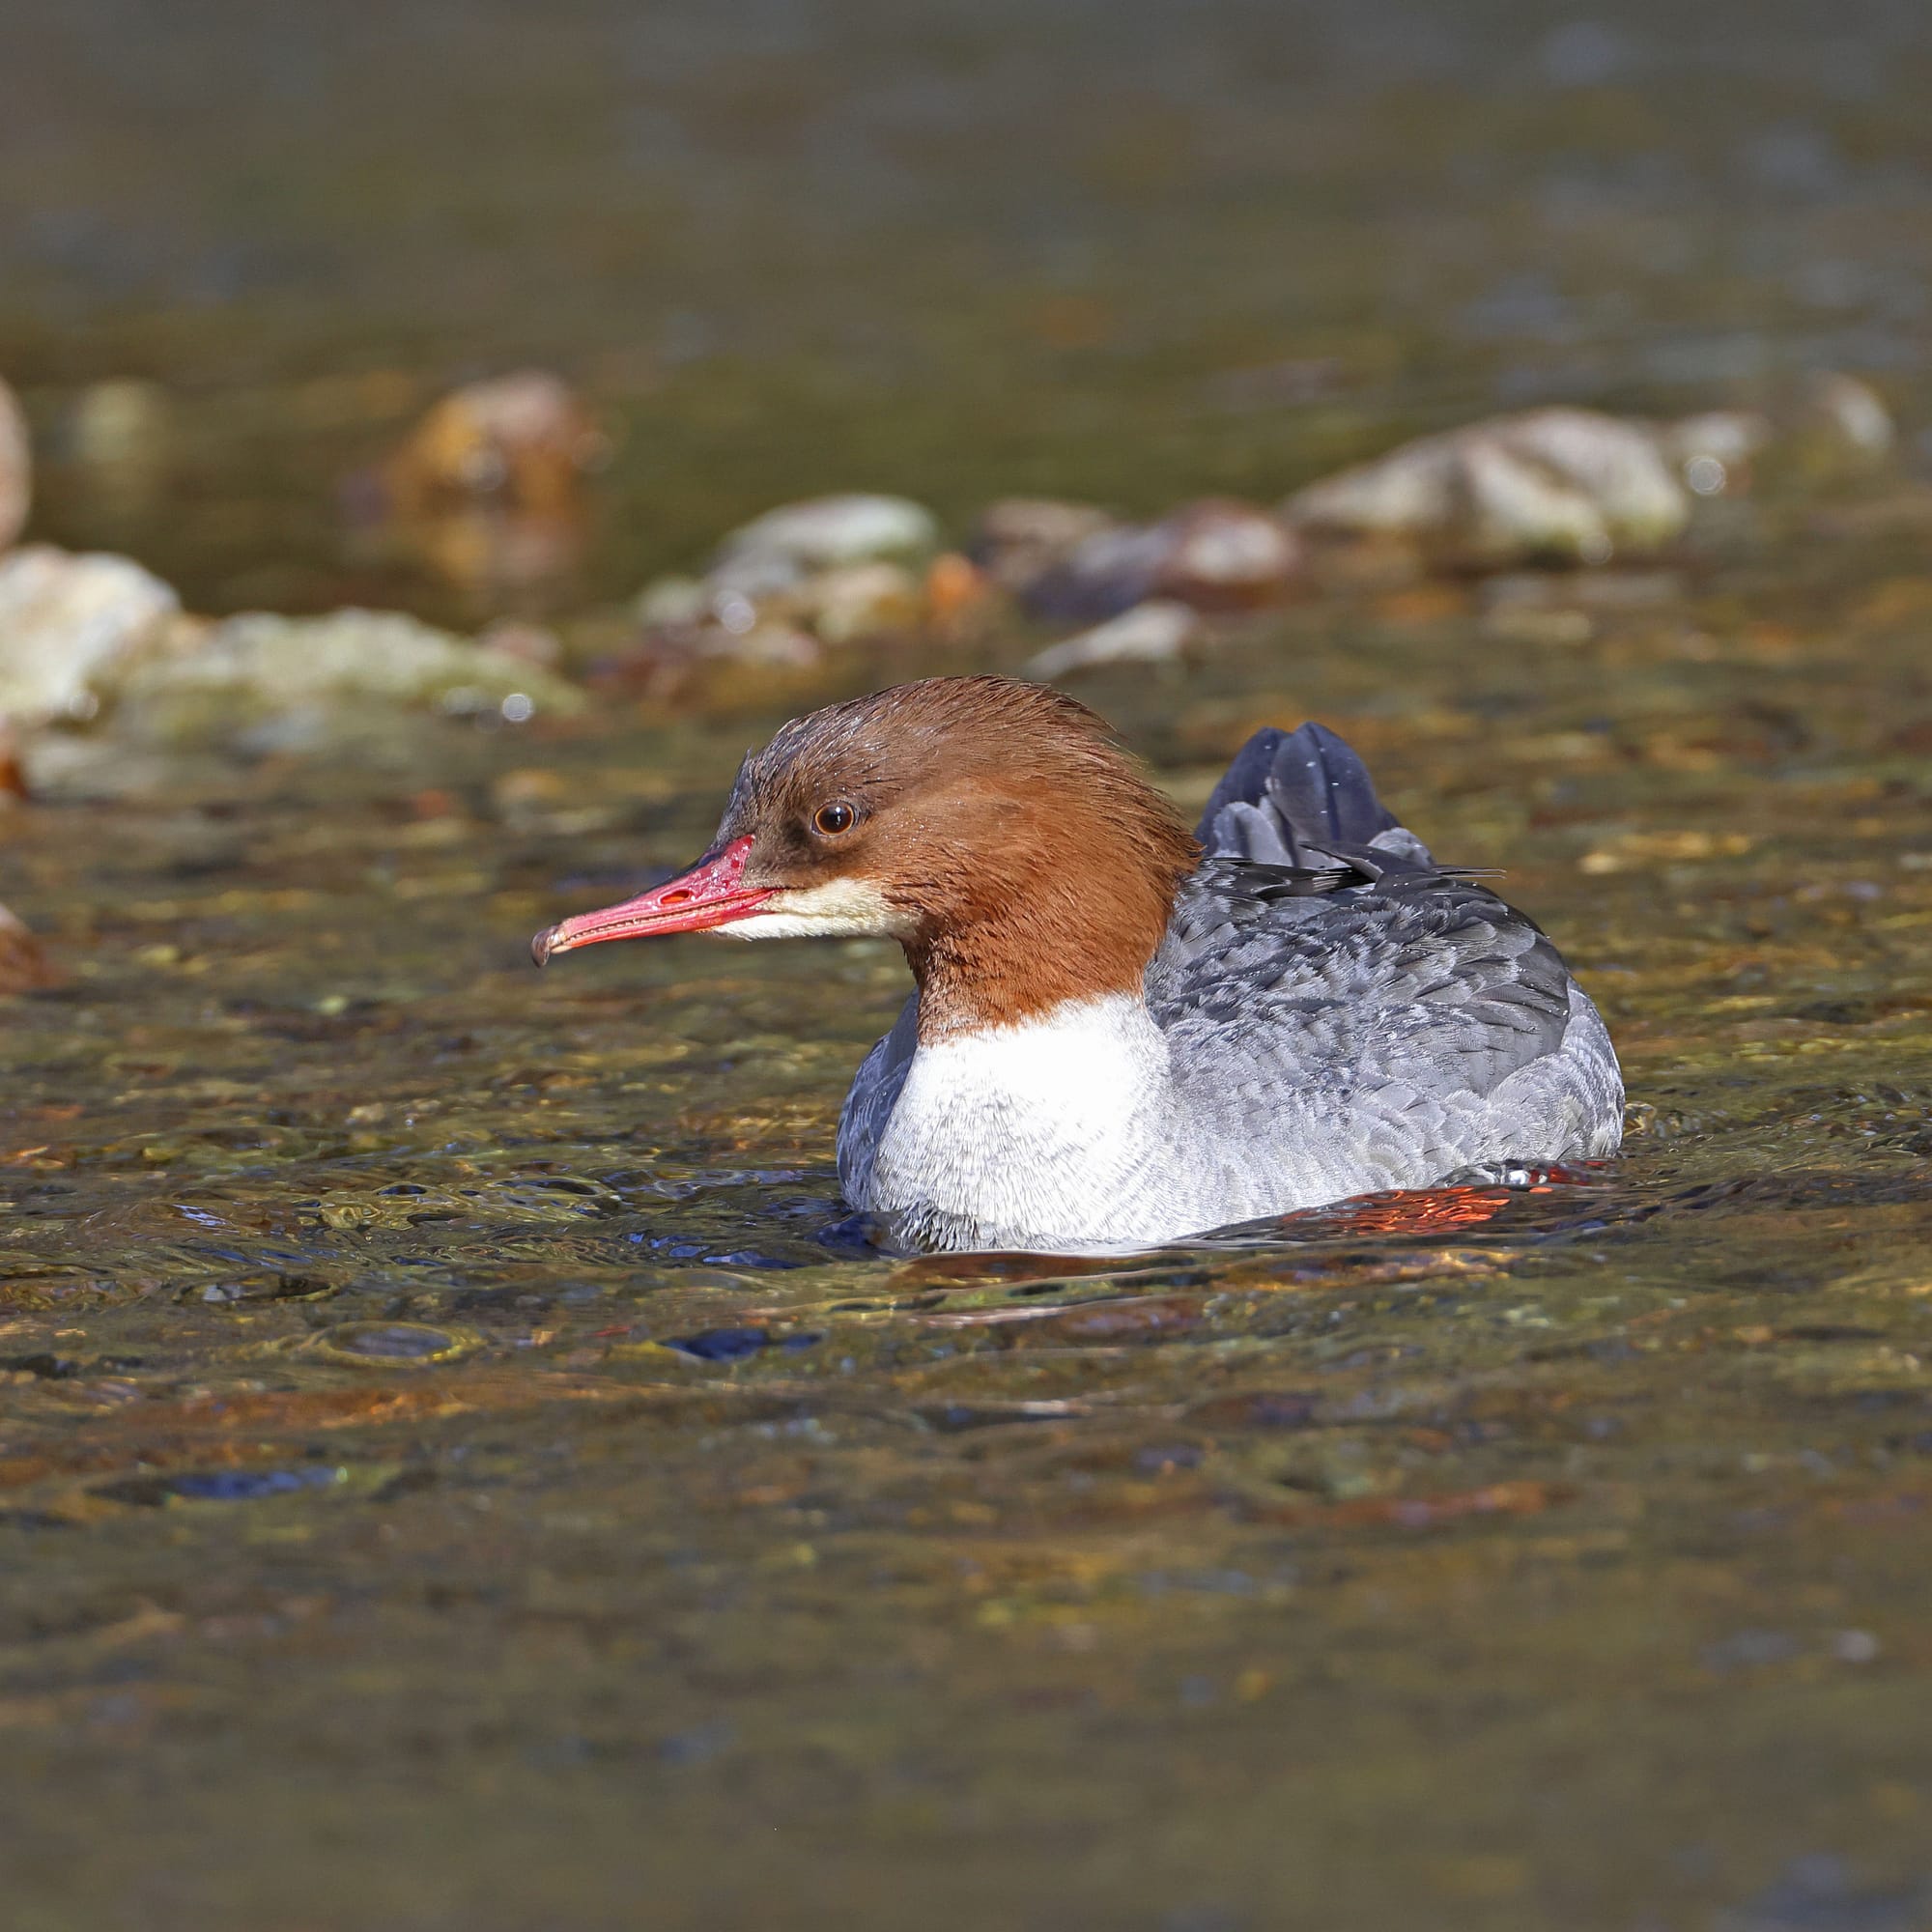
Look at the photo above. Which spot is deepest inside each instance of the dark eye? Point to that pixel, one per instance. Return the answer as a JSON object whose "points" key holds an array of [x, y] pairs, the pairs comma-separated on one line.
{"points": [[834, 819]]}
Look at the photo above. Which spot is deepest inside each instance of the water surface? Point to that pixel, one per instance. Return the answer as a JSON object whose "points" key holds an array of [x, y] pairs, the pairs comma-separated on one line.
{"points": [[456, 1470]]}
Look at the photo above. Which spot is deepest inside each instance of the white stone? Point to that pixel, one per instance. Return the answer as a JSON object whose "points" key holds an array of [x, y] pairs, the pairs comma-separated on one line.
{"points": [[1564, 484], [827, 530], [70, 624], [1149, 632]]}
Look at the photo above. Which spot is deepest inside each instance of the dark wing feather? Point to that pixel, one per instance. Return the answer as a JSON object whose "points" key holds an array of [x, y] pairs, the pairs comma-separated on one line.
{"points": [[1292, 796]]}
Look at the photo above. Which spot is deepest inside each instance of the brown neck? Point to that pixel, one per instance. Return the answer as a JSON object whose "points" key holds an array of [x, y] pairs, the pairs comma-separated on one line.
{"points": [[1074, 938]]}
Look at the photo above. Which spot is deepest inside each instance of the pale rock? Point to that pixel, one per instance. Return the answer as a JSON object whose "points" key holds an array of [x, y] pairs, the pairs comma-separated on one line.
{"points": [[16, 469], [1216, 555], [1222, 554], [1713, 451], [1151, 633], [70, 625], [1019, 539], [1839, 420], [1562, 485], [671, 600], [257, 665], [838, 568], [856, 600], [750, 577], [774, 551]]}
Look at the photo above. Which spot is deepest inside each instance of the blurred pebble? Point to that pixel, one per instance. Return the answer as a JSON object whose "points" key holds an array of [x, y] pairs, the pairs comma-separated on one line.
{"points": [[832, 571], [774, 551], [23, 967], [854, 601], [955, 591], [1216, 555], [672, 600], [1150, 634], [305, 668], [525, 439], [528, 644], [69, 623], [1020, 538], [17, 472], [1101, 576], [1553, 485], [1221, 554], [120, 424], [1837, 422]]}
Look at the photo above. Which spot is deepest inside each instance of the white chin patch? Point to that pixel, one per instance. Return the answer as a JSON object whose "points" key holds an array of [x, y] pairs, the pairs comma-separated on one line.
{"points": [[839, 909]]}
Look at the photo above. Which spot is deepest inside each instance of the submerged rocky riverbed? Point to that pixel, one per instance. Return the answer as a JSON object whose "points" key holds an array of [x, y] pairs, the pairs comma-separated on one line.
{"points": [[459, 1465]]}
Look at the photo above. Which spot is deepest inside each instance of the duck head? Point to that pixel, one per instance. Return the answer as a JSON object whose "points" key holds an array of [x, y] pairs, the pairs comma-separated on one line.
{"points": [[995, 829]]}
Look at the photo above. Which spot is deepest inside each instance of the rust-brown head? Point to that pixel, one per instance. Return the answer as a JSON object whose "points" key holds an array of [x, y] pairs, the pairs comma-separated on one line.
{"points": [[996, 829]]}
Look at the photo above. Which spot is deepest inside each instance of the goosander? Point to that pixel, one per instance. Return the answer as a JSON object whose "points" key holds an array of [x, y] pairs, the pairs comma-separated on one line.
{"points": [[1122, 1034]]}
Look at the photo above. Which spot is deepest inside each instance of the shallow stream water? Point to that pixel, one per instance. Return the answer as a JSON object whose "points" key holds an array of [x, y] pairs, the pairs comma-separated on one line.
{"points": [[456, 1461], [458, 1470]]}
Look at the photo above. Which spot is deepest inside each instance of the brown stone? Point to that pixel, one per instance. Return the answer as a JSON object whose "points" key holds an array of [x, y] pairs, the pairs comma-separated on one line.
{"points": [[16, 469]]}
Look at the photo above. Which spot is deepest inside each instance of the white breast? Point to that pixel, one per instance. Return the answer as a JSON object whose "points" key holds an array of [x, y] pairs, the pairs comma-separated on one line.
{"points": [[1039, 1135]]}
